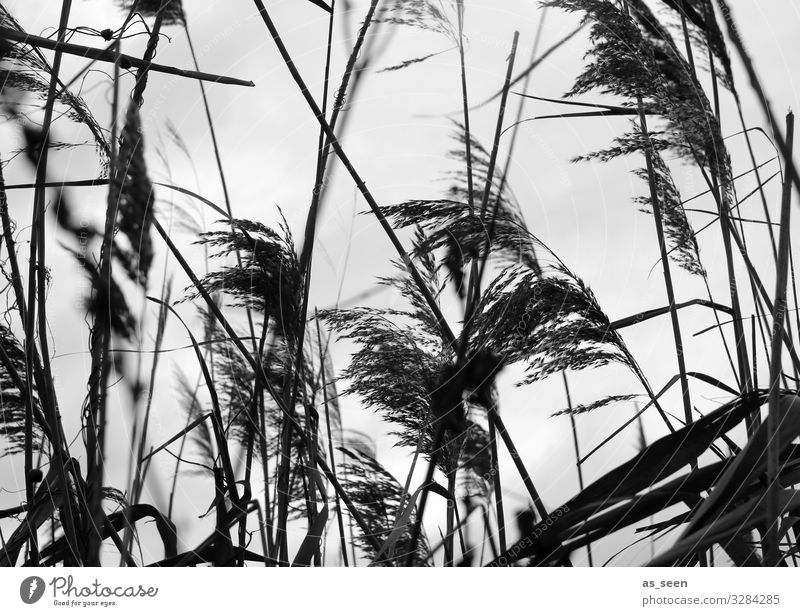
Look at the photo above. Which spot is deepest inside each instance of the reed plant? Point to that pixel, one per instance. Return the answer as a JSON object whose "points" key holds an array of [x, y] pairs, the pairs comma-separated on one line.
{"points": [[264, 448]]}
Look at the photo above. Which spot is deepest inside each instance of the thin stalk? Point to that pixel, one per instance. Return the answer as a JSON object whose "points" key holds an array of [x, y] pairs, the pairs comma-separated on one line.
{"points": [[254, 412], [715, 89], [404, 495], [217, 422], [753, 274], [755, 355], [536, 63], [662, 246], [759, 183], [138, 478], [498, 486], [223, 181], [728, 230], [687, 40], [19, 295], [37, 291], [211, 127], [258, 368], [708, 8], [763, 297], [578, 465], [451, 478], [465, 100], [348, 165], [108, 55], [357, 66], [324, 145], [520, 109], [772, 554], [179, 458], [487, 191], [487, 535], [282, 487], [268, 517], [30, 488], [306, 258], [472, 301], [755, 82], [794, 294], [101, 339], [523, 472], [220, 169], [339, 517], [98, 344], [137, 482], [323, 154], [725, 345], [438, 445], [105, 182], [450, 519], [149, 53]]}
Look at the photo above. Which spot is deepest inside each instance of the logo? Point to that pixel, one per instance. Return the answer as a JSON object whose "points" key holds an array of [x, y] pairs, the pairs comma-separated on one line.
{"points": [[31, 589]]}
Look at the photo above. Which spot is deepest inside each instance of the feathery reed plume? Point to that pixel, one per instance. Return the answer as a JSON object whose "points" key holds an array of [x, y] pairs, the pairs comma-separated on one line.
{"points": [[614, 500], [252, 418], [634, 56], [378, 497], [131, 197], [234, 383], [461, 236], [171, 10], [550, 324], [458, 231], [25, 71], [267, 281], [201, 436], [712, 35], [400, 357], [395, 368], [580, 409], [429, 15], [131, 192], [683, 246], [107, 301], [13, 394]]}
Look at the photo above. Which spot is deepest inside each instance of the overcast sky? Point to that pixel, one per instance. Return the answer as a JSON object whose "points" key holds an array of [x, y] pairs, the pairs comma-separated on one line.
{"points": [[397, 137]]}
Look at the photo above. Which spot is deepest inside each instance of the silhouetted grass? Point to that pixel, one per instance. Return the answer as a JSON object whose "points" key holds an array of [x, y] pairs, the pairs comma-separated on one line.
{"points": [[260, 408]]}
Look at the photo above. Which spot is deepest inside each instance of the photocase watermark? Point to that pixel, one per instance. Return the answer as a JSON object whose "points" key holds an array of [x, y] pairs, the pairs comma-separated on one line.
{"points": [[31, 589], [65, 592]]}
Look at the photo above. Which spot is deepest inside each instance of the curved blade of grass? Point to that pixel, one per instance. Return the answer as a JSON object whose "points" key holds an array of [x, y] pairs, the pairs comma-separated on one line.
{"points": [[667, 454], [749, 463], [192, 425], [751, 514], [311, 541], [657, 312], [670, 383]]}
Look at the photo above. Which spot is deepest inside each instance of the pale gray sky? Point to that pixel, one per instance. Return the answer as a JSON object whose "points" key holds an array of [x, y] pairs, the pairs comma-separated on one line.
{"points": [[398, 137]]}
